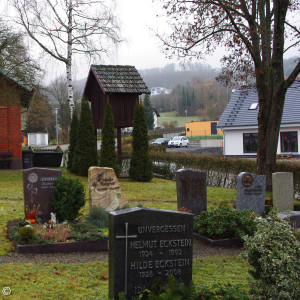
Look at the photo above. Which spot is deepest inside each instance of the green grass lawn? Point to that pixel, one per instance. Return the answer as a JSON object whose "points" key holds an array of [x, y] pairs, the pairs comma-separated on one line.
{"points": [[89, 280], [171, 117]]}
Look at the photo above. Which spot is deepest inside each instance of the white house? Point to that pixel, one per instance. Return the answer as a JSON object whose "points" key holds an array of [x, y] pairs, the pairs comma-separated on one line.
{"points": [[37, 139], [240, 129], [155, 117]]}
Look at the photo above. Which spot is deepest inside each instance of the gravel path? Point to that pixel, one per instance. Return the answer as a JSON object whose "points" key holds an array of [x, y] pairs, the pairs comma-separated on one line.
{"points": [[200, 250]]}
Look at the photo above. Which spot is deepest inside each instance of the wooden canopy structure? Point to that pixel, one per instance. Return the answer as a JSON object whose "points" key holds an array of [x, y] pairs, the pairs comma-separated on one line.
{"points": [[122, 85]]}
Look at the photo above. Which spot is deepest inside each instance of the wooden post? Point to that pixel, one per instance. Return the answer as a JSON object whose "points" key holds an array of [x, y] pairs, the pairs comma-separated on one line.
{"points": [[119, 145]]}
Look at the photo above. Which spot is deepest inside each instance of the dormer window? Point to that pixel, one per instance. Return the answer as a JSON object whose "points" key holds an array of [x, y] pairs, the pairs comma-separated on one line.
{"points": [[253, 106]]}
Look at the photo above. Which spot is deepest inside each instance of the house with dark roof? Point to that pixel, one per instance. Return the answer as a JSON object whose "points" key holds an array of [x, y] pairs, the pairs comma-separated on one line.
{"points": [[14, 96], [122, 85], [240, 127]]}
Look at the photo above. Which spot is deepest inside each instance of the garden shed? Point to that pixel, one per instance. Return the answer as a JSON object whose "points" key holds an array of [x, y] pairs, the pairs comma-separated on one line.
{"points": [[122, 85], [14, 96]]}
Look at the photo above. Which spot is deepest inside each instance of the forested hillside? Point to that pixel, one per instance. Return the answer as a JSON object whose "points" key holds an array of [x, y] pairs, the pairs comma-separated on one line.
{"points": [[195, 92]]}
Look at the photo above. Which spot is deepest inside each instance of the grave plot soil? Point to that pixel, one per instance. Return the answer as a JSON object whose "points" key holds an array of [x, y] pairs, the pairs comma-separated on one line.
{"points": [[200, 250]]}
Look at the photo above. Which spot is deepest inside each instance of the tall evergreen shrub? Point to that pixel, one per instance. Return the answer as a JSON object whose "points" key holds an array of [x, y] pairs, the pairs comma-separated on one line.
{"points": [[86, 148], [149, 112], [108, 154], [73, 140], [140, 163]]}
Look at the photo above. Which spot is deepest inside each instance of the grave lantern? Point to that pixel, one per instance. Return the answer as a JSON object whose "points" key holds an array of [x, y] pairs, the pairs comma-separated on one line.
{"points": [[122, 85]]}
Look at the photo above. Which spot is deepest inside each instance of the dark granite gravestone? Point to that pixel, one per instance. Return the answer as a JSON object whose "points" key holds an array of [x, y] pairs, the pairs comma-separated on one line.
{"points": [[250, 192], [145, 244], [191, 191], [293, 216], [38, 184]]}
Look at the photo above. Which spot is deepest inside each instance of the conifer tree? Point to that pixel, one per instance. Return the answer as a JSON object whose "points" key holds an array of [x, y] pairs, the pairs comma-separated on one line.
{"points": [[86, 148], [108, 154], [140, 163], [73, 140], [149, 112]]}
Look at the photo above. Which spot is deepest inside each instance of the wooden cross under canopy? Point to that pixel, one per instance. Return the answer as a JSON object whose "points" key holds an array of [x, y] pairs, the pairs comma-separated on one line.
{"points": [[122, 85]]}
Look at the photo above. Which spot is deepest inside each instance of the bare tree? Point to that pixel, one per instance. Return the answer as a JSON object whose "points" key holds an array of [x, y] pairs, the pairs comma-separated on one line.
{"points": [[14, 59], [66, 27], [256, 34], [58, 94]]}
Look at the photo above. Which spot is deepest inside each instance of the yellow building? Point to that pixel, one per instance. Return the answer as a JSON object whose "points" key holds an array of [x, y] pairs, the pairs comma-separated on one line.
{"points": [[202, 128]]}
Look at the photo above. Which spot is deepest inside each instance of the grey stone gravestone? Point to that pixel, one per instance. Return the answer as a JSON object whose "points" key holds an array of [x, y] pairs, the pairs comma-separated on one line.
{"points": [[250, 192], [191, 190], [145, 244], [283, 191], [293, 216], [38, 184]]}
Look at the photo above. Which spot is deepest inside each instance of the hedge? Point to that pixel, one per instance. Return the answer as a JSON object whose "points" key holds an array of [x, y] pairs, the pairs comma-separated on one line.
{"points": [[221, 171]]}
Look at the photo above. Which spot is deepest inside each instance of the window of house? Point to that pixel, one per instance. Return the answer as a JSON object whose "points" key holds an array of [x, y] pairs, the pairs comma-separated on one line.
{"points": [[289, 141], [250, 142], [253, 106]]}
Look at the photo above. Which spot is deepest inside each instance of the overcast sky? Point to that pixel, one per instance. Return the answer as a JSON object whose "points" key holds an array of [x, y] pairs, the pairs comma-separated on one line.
{"points": [[143, 50], [140, 48]]}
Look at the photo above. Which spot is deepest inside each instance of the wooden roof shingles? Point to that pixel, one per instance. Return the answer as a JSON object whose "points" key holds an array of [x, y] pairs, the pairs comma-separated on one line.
{"points": [[119, 79]]}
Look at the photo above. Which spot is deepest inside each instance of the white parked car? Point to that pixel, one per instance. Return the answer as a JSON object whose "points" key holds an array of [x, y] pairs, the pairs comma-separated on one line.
{"points": [[178, 141]]}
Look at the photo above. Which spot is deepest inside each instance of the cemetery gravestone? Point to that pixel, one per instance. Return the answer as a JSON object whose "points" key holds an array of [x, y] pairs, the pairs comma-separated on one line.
{"points": [[283, 191], [191, 190], [293, 216], [38, 184], [104, 189], [145, 244], [251, 190]]}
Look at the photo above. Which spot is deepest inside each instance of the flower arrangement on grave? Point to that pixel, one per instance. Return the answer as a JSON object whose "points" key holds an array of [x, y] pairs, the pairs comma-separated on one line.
{"points": [[184, 209], [31, 214]]}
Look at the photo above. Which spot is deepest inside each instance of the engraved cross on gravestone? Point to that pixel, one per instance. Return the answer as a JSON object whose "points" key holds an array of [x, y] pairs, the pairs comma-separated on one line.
{"points": [[126, 237]]}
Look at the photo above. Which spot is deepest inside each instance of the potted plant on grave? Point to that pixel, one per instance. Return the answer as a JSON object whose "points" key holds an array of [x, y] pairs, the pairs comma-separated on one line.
{"points": [[48, 158]]}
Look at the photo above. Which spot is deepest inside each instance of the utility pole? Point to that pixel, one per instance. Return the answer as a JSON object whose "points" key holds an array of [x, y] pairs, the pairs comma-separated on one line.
{"points": [[56, 111]]}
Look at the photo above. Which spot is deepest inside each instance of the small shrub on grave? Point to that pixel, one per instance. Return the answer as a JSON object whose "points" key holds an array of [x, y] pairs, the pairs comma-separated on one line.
{"points": [[67, 198], [224, 291], [27, 234], [171, 289], [98, 217], [225, 222], [86, 232], [274, 253]]}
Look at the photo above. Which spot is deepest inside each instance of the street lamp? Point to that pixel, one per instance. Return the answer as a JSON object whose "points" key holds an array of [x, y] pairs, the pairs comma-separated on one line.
{"points": [[56, 111]]}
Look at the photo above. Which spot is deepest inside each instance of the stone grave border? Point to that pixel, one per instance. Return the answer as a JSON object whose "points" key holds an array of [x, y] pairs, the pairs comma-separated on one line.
{"points": [[220, 242], [64, 247]]}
